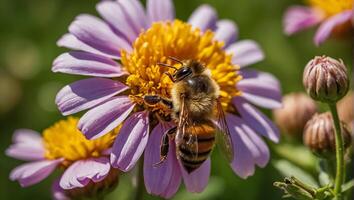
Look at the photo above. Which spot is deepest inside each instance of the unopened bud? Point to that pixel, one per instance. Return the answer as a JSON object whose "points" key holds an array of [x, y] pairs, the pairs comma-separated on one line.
{"points": [[297, 109], [296, 189], [319, 135], [325, 79]]}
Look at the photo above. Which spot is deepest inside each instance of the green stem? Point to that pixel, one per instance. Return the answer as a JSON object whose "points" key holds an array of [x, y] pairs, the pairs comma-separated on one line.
{"points": [[339, 153], [139, 193]]}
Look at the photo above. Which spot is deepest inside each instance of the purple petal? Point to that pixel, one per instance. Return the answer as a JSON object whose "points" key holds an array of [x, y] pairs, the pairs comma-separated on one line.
{"points": [[204, 18], [27, 145], [298, 18], [175, 181], [27, 135], [260, 88], [95, 33], [256, 119], [226, 31], [198, 179], [260, 149], [162, 180], [326, 28], [25, 152], [84, 63], [245, 52], [70, 41], [81, 172], [160, 10], [130, 142], [249, 149], [58, 193], [260, 76], [105, 117], [114, 14], [243, 162], [86, 93], [135, 14], [33, 172]]}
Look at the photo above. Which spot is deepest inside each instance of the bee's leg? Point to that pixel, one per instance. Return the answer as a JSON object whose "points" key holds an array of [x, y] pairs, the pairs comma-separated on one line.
{"points": [[170, 76], [165, 144], [155, 99]]}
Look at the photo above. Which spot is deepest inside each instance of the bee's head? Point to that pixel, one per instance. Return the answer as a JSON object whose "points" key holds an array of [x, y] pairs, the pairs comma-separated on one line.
{"points": [[187, 69], [182, 73]]}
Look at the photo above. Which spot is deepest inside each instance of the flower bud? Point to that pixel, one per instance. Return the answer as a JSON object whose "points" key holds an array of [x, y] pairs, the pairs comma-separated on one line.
{"points": [[297, 109], [296, 189], [319, 135], [346, 110], [325, 79]]}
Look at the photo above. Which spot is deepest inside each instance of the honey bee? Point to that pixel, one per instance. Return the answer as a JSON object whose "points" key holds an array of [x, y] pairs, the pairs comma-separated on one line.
{"points": [[195, 109]]}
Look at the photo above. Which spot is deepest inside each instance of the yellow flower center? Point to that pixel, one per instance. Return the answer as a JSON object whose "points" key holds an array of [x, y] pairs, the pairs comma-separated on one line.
{"points": [[64, 140], [332, 7], [179, 40]]}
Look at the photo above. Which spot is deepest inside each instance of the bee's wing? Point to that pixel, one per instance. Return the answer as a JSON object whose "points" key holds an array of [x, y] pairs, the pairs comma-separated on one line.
{"points": [[223, 138], [191, 146]]}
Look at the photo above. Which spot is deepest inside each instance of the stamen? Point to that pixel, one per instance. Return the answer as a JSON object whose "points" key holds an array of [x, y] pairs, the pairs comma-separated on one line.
{"points": [[64, 140], [162, 49], [332, 7]]}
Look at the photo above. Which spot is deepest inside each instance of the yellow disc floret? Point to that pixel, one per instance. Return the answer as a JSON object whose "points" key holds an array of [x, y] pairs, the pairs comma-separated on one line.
{"points": [[64, 140], [332, 7], [182, 41]]}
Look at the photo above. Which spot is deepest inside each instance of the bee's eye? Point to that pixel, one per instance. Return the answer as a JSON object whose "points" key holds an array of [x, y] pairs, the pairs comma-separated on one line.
{"points": [[182, 73]]}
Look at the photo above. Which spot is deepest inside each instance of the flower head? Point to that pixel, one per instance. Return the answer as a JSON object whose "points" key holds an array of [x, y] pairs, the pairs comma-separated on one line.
{"points": [[319, 135], [334, 16], [297, 109], [85, 162], [123, 52], [325, 79]]}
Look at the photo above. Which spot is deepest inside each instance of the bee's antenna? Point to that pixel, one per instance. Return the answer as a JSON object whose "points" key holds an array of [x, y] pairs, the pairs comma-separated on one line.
{"points": [[166, 65], [175, 59]]}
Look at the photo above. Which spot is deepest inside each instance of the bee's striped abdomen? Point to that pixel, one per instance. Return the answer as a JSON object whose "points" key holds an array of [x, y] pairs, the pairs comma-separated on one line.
{"points": [[193, 153]]}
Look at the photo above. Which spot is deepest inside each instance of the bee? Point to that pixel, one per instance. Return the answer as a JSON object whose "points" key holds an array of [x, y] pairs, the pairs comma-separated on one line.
{"points": [[195, 108]]}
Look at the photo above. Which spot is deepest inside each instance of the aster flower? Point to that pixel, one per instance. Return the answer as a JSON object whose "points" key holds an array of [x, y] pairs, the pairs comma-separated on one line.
{"points": [[85, 162], [122, 52], [334, 16]]}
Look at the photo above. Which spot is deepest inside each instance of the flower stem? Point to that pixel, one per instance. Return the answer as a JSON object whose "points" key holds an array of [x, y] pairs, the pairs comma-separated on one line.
{"points": [[339, 153], [139, 193]]}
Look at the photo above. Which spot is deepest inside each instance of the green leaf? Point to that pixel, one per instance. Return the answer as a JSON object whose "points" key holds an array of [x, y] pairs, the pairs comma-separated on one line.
{"points": [[348, 185], [326, 172], [298, 155], [324, 178], [288, 169]]}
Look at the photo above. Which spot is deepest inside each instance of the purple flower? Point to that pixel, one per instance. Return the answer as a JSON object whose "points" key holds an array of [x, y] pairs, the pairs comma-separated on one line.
{"points": [[126, 47], [86, 162], [332, 15]]}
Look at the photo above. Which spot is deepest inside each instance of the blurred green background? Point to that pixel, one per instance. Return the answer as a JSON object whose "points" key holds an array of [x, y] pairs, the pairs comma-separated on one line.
{"points": [[28, 35]]}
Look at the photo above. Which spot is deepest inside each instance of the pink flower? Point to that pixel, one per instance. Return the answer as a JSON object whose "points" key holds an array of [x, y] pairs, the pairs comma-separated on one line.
{"points": [[332, 15], [125, 47], [86, 164]]}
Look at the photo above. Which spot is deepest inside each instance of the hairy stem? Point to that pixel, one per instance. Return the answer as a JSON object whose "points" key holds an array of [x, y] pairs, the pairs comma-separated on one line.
{"points": [[339, 153], [139, 193]]}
